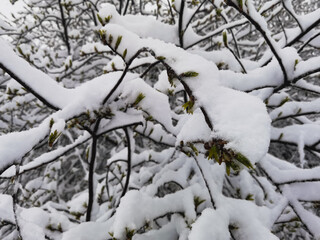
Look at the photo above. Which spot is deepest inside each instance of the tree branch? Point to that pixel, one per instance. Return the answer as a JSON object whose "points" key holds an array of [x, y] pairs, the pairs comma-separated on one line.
{"points": [[126, 185], [66, 37], [91, 170]]}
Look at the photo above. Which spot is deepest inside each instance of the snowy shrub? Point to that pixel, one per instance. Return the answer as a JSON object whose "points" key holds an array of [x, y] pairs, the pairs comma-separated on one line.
{"points": [[160, 120]]}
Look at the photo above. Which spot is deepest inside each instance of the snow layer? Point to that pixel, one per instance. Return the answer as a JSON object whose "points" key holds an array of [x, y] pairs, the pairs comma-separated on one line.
{"points": [[33, 78], [211, 225], [134, 203], [230, 111], [89, 230], [86, 97], [154, 102], [6, 208], [33, 222], [144, 26]]}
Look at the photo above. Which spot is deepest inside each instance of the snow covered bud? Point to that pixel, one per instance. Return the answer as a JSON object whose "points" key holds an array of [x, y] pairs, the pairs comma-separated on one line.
{"points": [[103, 37], [188, 106], [216, 150], [218, 12], [118, 42], [139, 98], [53, 137], [124, 54], [188, 74], [105, 20], [225, 38], [296, 63], [240, 3]]}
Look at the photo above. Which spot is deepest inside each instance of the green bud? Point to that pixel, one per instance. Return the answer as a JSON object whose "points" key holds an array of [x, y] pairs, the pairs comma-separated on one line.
{"points": [[118, 42]]}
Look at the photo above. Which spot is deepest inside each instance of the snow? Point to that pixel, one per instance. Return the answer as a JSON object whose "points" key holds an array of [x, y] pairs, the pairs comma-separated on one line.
{"points": [[309, 65], [134, 203], [156, 133], [78, 202], [32, 223], [144, 26], [15, 145], [242, 213], [87, 230], [282, 172], [254, 134], [307, 134], [86, 97], [289, 56], [309, 219], [308, 86], [169, 173], [93, 47], [34, 79], [166, 232], [163, 85], [293, 108], [219, 102], [6, 8], [224, 56], [310, 18], [215, 223], [119, 120], [221, 110], [34, 184], [307, 191], [194, 129], [154, 102], [46, 157], [58, 125], [238, 213], [6, 208], [269, 75]]}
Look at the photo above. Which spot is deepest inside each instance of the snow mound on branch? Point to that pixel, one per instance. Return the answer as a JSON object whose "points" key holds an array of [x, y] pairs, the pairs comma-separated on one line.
{"points": [[32, 222], [194, 128], [6, 208], [145, 26], [136, 208], [215, 229], [154, 102], [239, 118], [87, 230]]}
